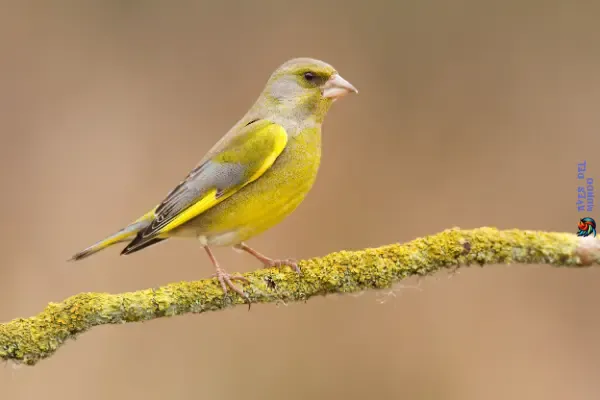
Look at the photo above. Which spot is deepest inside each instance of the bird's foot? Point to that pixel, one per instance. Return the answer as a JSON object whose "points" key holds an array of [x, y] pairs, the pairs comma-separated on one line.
{"points": [[288, 262], [226, 280], [267, 261]]}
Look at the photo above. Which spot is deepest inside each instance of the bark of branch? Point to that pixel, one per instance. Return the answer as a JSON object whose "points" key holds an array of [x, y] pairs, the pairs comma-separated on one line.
{"points": [[30, 340]]}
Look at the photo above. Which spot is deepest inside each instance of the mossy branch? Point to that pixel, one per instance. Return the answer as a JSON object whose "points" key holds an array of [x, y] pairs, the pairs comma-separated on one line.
{"points": [[30, 340]]}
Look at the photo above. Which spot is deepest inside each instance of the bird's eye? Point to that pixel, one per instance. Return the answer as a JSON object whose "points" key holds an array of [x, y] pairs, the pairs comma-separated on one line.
{"points": [[309, 76]]}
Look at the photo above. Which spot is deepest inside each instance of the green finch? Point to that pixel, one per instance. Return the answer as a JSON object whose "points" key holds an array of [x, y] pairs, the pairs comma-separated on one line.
{"points": [[252, 178]]}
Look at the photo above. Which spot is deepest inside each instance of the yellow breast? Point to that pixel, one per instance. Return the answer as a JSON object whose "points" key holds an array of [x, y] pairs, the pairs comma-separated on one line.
{"points": [[266, 201]]}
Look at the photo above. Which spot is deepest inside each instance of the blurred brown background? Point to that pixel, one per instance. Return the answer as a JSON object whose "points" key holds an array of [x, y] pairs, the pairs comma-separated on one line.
{"points": [[470, 113]]}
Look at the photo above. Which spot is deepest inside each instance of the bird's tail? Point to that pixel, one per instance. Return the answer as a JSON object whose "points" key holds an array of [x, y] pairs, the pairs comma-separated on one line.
{"points": [[124, 235]]}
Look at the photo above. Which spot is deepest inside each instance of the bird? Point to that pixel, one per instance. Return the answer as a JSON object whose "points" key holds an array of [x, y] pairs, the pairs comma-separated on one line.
{"points": [[256, 175], [587, 227]]}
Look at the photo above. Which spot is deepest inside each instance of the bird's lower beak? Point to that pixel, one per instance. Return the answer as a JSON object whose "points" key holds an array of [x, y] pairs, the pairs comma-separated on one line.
{"points": [[337, 87]]}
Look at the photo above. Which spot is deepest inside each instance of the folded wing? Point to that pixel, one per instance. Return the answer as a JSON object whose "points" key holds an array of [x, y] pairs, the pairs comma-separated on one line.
{"points": [[242, 160]]}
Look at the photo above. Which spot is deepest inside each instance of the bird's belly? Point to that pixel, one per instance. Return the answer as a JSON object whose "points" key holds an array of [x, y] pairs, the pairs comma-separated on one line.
{"points": [[265, 202]]}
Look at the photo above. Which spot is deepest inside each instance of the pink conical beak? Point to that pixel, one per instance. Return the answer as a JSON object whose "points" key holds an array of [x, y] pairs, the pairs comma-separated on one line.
{"points": [[337, 87]]}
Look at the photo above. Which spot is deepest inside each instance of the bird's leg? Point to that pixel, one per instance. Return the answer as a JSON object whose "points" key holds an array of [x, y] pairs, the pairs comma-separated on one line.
{"points": [[268, 262], [224, 278]]}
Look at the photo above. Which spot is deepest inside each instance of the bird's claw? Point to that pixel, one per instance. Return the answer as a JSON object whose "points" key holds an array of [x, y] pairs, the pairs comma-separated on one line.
{"points": [[226, 280], [288, 262]]}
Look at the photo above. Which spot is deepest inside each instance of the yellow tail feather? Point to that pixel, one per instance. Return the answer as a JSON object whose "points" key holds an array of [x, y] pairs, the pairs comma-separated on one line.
{"points": [[124, 235]]}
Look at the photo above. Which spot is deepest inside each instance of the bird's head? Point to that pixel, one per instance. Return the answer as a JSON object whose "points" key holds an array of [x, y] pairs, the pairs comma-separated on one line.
{"points": [[586, 222], [305, 86]]}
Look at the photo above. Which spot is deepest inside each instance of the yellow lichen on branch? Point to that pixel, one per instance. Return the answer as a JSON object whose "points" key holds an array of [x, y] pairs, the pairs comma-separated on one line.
{"points": [[29, 340]]}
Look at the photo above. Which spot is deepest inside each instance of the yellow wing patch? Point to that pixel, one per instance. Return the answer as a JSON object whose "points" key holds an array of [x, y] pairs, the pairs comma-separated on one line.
{"points": [[280, 139], [209, 200]]}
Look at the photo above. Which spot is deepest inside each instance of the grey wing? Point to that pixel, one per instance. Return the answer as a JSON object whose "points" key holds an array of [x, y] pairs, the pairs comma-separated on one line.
{"points": [[207, 176]]}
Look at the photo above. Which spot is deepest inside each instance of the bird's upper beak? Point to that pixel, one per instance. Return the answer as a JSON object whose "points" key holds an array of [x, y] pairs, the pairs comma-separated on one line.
{"points": [[337, 87]]}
